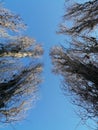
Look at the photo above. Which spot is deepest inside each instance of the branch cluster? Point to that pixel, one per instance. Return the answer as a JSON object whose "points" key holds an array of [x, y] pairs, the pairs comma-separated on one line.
{"points": [[78, 64], [20, 68]]}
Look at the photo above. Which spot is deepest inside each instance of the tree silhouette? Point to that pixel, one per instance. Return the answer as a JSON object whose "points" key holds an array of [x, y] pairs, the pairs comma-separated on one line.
{"points": [[78, 64], [20, 67], [79, 67]]}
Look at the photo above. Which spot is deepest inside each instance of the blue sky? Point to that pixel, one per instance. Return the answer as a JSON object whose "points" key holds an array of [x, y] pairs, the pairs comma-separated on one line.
{"points": [[52, 111]]}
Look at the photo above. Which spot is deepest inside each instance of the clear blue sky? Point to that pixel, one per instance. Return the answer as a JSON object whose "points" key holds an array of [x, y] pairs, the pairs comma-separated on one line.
{"points": [[52, 111]]}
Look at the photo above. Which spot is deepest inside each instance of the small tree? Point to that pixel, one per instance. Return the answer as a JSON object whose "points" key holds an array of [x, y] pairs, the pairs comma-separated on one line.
{"points": [[20, 67]]}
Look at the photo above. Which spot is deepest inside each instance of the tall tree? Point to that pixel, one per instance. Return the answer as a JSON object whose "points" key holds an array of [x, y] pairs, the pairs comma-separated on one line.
{"points": [[20, 67], [78, 64], [79, 67]]}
